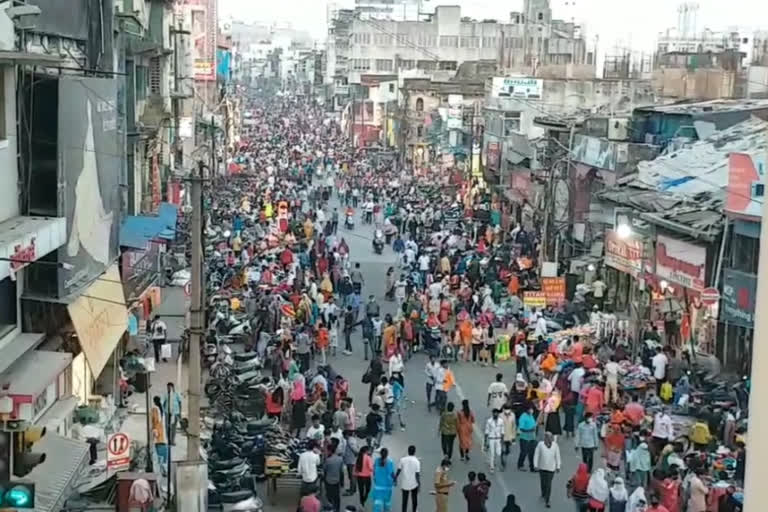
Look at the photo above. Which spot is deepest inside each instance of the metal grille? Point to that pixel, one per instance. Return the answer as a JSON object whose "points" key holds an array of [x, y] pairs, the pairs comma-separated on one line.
{"points": [[154, 75]]}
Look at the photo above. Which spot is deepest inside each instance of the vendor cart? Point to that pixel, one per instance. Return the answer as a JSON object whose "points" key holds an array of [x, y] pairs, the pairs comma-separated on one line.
{"points": [[281, 478]]}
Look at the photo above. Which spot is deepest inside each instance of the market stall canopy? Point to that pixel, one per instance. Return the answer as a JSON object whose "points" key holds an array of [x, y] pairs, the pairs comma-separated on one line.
{"points": [[137, 231], [100, 318]]}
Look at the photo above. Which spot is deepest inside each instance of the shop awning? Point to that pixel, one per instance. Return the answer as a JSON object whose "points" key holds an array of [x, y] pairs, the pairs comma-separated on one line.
{"points": [[54, 479], [35, 59], [137, 231], [100, 318], [17, 347], [31, 374]]}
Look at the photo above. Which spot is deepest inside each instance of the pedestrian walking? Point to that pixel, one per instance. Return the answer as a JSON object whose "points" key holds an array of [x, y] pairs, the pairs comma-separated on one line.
{"points": [[497, 393], [587, 440], [172, 408], [443, 486], [363, 472], [383, 482], [409, 468], [472, 493], [526, 429], [494, 434], [447, 429], [619, 496], [546, 460], [333, 475], [432, 371], [159, 337], [465, 428], [511, 505], [351, 449], [398, 408], [577, 488], [510, 433], [598, 491]]}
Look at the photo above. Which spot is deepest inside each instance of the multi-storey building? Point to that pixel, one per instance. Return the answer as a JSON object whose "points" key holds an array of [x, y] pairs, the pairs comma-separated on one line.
{"points": [[531, 42]]}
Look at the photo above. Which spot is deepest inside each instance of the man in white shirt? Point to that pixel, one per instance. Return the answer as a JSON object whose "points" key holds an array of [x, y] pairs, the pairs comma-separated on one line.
{"points": [[659, 366], [576, 378], [663, 431], [494, 432], [612, 381], [386, 400], [159, 335], [410, 468], [309, 461], [546, 459], [431, 370], [598, 291], [497, 393], [316, 431]]}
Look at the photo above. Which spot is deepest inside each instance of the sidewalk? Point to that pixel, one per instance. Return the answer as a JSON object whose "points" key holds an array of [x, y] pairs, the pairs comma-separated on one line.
{"points": [[171, 311]]}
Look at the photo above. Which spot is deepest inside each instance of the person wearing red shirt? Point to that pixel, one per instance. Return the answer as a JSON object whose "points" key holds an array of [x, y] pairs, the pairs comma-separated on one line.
{"points": [[577, 350], [670, 492], [286, 258], [634, 412], [656, 505], [594, 401]]}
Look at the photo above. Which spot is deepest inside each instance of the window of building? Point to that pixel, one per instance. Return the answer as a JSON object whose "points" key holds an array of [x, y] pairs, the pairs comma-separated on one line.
{"points": [[541, 16], [407, 64], [391, 87], [419, 105], [361, 64], [448, 65], [432, 41], [419, 131], [155, 75], [489, 42], [474, 42], [511, 123], [427, 65], [402, 40], [464, 42], [382, 40], [8, 317], [44, 400], [384, 65], [142, 82], [449, 41]]}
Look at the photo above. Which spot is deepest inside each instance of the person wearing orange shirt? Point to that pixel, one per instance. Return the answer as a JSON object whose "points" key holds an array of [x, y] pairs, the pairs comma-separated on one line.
{"points": [[322, 340], [513, 287], [577, 350], [465, 333]]}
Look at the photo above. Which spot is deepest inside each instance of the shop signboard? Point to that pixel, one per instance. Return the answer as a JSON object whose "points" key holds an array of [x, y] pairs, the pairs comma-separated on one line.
{"points": [[554, 290], [624, 254], [534, 300], [492, 158], [738, 298], [681, 262], [517, 87]]}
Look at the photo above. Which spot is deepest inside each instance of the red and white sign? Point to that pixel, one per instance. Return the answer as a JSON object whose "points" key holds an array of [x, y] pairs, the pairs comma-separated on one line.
{"points": [[710, 296], [118, 452], [22, 255], [625, 254], [681, 262]]}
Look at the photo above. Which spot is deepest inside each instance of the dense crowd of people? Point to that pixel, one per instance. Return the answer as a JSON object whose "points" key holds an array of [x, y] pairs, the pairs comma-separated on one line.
{"points": [[454, 293]]}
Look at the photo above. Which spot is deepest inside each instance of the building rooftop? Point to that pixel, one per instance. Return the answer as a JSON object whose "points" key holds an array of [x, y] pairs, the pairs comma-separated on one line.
{"points": [[685, 189], [707, 107]]}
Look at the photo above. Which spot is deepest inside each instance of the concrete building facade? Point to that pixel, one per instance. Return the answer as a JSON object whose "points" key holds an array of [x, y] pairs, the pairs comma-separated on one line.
{"points": [[446, 39]]}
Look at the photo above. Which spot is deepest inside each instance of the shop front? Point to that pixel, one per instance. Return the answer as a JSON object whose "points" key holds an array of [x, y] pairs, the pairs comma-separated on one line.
{"points": [[737, 320], [100, 321], [680, 278]]}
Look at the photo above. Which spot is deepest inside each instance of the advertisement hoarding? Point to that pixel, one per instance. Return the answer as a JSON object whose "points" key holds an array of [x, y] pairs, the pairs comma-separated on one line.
{"points": [[681, 262], [89, 154], [203, 26], [517, 87]]}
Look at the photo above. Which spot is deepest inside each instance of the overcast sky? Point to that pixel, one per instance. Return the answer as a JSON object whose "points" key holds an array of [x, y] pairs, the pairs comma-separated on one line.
{"points": [[628, 23]]}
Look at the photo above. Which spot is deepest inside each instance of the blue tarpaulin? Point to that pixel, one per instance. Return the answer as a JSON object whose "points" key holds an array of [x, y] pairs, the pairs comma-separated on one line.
{"points": [[138, 230]]}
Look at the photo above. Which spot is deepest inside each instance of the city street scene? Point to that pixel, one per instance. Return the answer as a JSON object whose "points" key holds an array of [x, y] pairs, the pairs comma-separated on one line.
{"points": [[383, 255]]}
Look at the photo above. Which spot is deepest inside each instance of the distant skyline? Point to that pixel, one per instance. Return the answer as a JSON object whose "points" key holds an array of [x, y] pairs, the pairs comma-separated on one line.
{"points": [[618, 23]]}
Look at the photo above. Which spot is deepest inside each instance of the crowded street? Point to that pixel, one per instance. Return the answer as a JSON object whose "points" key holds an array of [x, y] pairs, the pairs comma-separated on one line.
{"points": [[386, 308]]}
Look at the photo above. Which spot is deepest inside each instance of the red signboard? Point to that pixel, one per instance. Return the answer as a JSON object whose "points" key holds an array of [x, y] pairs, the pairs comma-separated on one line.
{"points": [[553, 289], [157, 196], [23, 255]]}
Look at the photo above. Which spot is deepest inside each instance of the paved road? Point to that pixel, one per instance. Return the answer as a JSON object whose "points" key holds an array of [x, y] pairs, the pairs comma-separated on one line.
{"points": [[421, 430]]}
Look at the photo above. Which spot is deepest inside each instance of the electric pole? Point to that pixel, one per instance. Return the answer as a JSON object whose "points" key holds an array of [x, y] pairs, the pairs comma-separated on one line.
{"points": [[196, 315], [214, 165]]}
